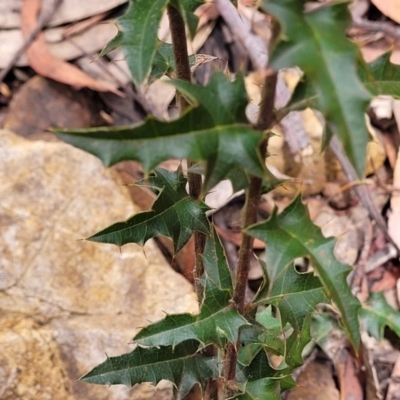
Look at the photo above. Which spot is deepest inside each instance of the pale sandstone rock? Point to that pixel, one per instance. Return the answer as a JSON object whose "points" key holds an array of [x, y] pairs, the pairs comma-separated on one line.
{"points": [[64, 303]]}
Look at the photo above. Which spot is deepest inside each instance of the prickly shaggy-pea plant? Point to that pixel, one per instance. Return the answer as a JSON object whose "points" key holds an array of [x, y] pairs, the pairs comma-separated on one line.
{"points": [[226, 348]]}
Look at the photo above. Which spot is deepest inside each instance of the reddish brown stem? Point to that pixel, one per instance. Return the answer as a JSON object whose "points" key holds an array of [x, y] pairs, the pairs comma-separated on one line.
{"points": [[265, 121], [182, 67], [178, 33]]}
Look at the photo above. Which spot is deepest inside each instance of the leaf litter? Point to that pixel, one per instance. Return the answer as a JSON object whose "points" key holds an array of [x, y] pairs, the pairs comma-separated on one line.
{"points": [[378, 279]]}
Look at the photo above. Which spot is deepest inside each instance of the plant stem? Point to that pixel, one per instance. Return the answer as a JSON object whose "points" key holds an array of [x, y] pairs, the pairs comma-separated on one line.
{"points": [[265, 121], [182, 67], [178, 33]]}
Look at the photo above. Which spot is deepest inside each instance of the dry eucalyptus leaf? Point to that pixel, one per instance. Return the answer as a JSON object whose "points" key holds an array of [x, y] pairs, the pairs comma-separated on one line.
{"points": [[68, 11], [45, 64], [90, 41]]}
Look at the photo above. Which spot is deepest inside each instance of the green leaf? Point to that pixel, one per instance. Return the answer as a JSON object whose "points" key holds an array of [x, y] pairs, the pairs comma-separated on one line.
{"points": [[271, 341], [294, 294], [292, 234], [260, 381], [112, 44], [182, 366], [186, 9], [209, 132], [217, 275], [296, 343], [261, 389], [376, 314], [217, 322], [256, 338], [139, 42], [382, 77], [164, 62], [274, 328], [316, 42], [224, 101], [174, 215]]}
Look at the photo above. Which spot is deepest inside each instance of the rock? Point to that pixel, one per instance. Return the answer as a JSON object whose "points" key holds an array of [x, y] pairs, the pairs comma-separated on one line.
{"points": [[64, 303]]}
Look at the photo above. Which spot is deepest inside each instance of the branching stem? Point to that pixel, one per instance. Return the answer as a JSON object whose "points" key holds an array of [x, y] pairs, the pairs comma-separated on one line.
{"points": [[178, 33]]}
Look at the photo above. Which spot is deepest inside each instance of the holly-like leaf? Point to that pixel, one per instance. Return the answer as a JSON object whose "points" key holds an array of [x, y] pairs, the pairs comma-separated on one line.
{"points": [[267, 337], [316, 42], [382, 77], [217, 323], [181, 365], [224, 101], [260, 381], [296, 295], [261, 389], [209, 132], [217, 275], [376, 314], [271, 341], [174, 215], [164, 62], [290, 235], [274, 328], [139, 41]]}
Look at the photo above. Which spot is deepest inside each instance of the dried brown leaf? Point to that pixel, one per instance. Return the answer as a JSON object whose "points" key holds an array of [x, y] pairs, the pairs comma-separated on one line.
{"points": [[45, 64]]}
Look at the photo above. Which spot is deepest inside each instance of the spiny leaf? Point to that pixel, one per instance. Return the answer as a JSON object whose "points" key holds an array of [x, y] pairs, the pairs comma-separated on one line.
{"points": [[382, 77], [260, 381], [292, 234], [294, 294], [174, 215], [232, 98], [274, 327], [316, 42], [261, 389], [164, 62], [376, 314], [139, 42], [201, 134], [271, 341], [217, 322], [266, 337], [217, 275], [182, 366]]}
